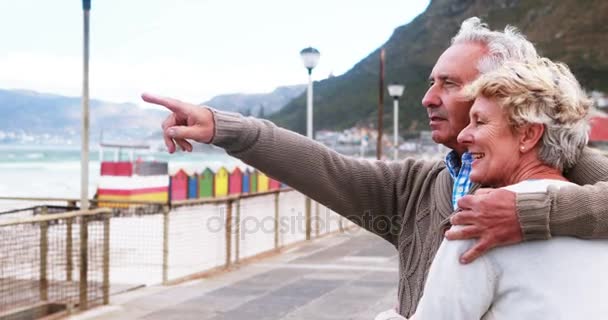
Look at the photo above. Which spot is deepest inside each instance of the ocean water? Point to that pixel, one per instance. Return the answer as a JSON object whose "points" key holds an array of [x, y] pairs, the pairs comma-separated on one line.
{"points": [[54, 171], [196, 234]]}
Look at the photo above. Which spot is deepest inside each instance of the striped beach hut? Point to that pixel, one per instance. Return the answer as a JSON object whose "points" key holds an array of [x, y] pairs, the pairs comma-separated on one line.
{"points": [[262, 182], [236, 181], [113, 177], [144, 168], [246, 186], [205, 183], [152, 181], [221, 182], [129, 181], [179, 185], [117, 169], [193, 186]]}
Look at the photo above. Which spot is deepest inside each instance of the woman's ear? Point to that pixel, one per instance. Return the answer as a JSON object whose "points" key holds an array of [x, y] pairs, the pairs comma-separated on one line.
{"points": [[530, 135]]}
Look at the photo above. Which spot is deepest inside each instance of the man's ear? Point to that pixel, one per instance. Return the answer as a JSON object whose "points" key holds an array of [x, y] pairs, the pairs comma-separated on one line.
{"points": [[530, 135]]}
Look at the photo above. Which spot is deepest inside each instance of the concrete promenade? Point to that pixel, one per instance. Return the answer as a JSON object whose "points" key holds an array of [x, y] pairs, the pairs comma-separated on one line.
{"points": [[344, 276]]}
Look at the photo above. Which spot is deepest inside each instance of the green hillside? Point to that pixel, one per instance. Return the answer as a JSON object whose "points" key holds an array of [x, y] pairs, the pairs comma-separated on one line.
{"points": [[571, 31]]}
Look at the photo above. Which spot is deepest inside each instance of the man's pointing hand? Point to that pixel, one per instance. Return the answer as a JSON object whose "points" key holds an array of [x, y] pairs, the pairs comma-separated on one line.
{"points": [[186, 121]]}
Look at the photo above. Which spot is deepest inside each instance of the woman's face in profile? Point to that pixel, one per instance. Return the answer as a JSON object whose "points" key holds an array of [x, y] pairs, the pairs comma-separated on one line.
{"points": [[492, 143]]}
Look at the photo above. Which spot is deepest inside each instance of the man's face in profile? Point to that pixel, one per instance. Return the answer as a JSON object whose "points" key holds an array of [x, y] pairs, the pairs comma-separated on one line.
{"points": [[448, 112]]}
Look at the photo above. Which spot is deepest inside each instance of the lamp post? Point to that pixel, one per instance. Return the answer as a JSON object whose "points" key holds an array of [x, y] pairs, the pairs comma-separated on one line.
{"points": [[310, 57], [380, 107], [395, 90], [84, 156]]}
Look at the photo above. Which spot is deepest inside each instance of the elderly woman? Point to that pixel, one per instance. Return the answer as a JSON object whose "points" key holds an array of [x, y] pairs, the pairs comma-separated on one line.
{"points": [[528, 123]]}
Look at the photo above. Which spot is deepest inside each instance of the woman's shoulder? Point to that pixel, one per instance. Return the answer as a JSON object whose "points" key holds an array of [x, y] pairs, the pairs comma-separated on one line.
{"points": [[537, 185]]}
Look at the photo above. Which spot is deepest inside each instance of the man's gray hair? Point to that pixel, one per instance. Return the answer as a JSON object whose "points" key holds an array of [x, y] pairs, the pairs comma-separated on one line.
{"points": [[509, 45]]}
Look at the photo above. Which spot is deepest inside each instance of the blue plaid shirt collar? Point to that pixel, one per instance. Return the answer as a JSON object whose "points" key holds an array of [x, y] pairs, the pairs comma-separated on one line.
{"points": [[459, 169]]}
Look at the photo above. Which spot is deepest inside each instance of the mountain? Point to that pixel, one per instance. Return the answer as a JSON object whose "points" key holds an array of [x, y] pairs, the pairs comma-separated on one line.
{"points": [[571, 31], [252, 103], [39, 114], [37, 117]]}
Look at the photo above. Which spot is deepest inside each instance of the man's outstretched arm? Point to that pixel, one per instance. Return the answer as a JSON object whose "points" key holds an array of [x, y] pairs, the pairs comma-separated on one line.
{"points": [[361, 190], [499, 217]]}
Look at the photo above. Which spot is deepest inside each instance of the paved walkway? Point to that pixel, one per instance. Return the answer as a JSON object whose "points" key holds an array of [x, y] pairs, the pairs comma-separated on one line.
{"points": [[344, 276]]}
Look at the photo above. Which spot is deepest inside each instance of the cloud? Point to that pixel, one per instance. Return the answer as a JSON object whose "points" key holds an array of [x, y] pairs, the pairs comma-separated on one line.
{"points": [[124, 79]]}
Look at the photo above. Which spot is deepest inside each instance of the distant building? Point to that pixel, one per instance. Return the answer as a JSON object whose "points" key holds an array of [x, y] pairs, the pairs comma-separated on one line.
{"points": [[598, 137]]}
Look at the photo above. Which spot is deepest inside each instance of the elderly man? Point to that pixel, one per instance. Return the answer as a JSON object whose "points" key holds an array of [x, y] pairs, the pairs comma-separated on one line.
{"points": [[409, 202]]}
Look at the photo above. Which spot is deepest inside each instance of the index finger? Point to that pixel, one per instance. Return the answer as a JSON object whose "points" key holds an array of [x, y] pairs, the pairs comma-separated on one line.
{"points": [[466, 202], [169, 103]]}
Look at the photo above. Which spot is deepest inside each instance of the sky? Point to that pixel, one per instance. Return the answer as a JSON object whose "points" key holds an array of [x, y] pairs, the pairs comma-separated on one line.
{"points": [[189, 49]]}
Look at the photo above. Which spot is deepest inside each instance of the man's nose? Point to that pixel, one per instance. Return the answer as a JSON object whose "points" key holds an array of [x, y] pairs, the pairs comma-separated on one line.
{"points": [[431, 98]]}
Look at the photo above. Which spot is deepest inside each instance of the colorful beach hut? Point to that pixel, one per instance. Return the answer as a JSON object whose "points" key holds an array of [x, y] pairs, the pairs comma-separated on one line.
{"points": [[205, 183], [193, 186], [126, 181], [262, 182], [117, 169], [246, 186], [236, 181], [253, 180], [221, 182], [179, 185], [273, 184], [132, 180]]}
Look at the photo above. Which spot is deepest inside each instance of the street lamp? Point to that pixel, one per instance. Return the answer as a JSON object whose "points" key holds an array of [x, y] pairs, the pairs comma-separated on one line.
{"points": [[310, 57], [84, 156], [395, 90]]}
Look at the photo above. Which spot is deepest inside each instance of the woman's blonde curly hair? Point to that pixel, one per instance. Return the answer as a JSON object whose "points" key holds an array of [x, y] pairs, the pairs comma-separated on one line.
{"points": [[542, 92]]}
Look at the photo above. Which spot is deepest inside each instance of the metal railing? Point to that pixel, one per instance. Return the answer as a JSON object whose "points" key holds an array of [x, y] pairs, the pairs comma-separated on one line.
{"points": [[80, 258], [61, 257]]}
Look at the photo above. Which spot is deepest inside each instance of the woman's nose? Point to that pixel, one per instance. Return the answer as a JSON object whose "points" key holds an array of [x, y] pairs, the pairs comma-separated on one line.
{"points": [[465, 136]]}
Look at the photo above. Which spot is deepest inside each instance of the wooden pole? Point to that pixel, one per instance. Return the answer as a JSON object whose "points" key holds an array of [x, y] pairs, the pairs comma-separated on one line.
{"points": [[276, 221], [237, 226], [380, 107], [106, 258], [307, 217], [166, 220], [228, 232], [69, 263], [84, 261], [44, 250], [318, 221]]}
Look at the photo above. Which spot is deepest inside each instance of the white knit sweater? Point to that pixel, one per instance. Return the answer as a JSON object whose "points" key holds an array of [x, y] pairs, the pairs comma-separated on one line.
{"points": [[562, 278]]}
